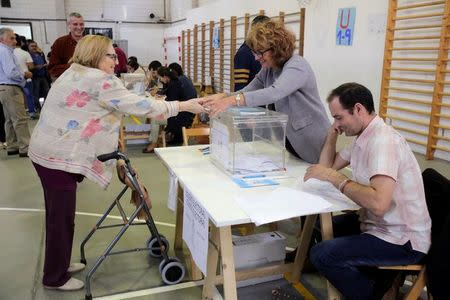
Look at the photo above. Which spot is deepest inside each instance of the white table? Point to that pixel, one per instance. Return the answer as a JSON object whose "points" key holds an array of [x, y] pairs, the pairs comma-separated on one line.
{"points": [[216, 192]]}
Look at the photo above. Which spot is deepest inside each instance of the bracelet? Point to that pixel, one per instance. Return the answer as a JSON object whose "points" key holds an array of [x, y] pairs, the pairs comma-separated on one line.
{"points": [[343, 184]]}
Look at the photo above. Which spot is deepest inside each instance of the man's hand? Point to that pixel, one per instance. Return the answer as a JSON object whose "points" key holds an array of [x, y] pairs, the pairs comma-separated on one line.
{"points": [[322, 173], [28, 74]]}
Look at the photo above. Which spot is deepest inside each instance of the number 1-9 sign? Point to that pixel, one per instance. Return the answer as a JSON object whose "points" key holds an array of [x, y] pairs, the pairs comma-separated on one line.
{"points": [[345, 26]]}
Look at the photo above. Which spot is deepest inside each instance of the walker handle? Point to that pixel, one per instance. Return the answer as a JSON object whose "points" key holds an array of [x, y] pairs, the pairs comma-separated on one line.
{"points": [[113, 155]]}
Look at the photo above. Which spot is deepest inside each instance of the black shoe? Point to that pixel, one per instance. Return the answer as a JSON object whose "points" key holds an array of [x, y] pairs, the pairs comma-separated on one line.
{"points": [[13, 152], [308, 267], [25, 154]]}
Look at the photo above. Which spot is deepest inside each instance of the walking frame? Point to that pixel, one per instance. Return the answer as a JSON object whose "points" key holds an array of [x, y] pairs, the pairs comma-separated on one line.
{"points": [[170, 268]]}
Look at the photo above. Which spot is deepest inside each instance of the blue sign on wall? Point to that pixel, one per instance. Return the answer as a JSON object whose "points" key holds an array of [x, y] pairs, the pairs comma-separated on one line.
{"points": [[345, 26], [216, 38]]}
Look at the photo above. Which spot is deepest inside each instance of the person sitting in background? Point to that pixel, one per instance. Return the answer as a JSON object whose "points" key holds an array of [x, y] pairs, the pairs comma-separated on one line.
{"points": [[121, 67], [134, 67], [393, 226], [79, 121], [287, 80], [188, 87], [153, 76], [40, 74]]}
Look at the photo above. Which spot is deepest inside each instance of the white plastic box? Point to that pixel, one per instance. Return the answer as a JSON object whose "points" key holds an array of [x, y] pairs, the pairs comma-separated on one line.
{"points": [[249, 140], [258, 250]]}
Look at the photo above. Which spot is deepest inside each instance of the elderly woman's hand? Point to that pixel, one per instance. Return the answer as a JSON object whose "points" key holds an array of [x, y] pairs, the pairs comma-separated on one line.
{"points": [[192, 106], [210, 98]]}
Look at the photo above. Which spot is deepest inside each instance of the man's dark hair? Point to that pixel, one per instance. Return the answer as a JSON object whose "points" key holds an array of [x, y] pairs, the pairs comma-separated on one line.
{"points": [[260, 19], [165, 71], [115, 45], [133, 64], [351, 93], [154, 65], [177, 68], [133, 58]]}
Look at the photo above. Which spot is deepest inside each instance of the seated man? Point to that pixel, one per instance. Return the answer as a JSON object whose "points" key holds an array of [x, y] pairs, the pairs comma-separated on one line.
{"points": [[394, 223]]}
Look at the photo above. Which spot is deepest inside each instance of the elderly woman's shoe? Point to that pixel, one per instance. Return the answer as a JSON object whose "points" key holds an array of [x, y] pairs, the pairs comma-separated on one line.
{"points": [[72, 284], [76, 267]]}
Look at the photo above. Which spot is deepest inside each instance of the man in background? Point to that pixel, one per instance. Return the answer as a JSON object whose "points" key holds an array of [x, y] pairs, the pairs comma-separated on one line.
{"points": [[12, 81], [40, 82], [26, 64], [63, 47], [245, 64], [121, 67]]}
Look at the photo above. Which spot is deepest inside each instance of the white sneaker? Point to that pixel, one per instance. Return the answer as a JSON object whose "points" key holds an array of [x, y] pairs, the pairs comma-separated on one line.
{"points": [[76, 267], [4, 145], [72, 284]]}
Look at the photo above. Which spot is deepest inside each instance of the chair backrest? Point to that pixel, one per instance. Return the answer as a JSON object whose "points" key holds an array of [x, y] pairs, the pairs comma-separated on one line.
{"points": [[195, 132], [437, 194]]}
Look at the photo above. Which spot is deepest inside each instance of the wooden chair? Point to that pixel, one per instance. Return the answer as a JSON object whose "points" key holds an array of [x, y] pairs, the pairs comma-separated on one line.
{"points": [[201, 134], [124, 136], [435, 195]]}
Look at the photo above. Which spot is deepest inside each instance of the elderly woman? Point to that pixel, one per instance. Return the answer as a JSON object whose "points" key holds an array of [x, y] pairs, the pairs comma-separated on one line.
{"points": [[80, 120], [287, 80]]}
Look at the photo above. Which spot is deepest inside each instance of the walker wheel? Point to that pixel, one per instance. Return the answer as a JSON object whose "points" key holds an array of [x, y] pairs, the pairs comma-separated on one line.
{"points": [[172, 271], [155, 247]]}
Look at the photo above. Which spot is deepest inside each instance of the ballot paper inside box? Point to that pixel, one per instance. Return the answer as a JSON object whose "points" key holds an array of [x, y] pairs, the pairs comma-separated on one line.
{"points": [[249, 140], [134, 82]]}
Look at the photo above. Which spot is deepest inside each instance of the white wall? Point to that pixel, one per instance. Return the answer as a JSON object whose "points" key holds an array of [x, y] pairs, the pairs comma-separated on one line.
{"points": [[48, 21]]}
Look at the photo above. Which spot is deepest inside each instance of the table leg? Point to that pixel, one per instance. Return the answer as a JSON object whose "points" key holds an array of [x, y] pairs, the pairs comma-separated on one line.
{"points": [[178, 243], [211, 265], [326, 228], [229, 272], [302, 247]]}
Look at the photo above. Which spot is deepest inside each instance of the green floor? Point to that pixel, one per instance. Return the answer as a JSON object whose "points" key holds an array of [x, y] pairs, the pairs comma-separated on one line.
{"points": [[22, 237]]}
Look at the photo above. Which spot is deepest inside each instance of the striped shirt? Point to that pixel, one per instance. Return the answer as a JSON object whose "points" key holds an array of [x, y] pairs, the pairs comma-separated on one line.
{"points": [[380, 150]]}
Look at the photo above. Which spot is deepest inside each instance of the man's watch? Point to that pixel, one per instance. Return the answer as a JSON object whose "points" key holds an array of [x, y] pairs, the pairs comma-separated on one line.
{"points": [[238, 99]]}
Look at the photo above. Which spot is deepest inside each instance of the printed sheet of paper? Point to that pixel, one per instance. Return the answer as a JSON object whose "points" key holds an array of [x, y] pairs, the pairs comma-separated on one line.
{"points": [[327, 191], [280, 204], [195, 230], [173, 192]]}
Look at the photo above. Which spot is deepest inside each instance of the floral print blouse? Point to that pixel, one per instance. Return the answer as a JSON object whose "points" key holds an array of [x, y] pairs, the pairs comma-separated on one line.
{"points": [[81, 119]]}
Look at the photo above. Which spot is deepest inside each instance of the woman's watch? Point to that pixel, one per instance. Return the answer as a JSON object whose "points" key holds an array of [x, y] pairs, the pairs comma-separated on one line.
{"points": [[238, 99]]}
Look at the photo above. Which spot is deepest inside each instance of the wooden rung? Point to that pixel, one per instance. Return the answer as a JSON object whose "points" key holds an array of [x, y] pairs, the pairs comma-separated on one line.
{"points": [[418, 27], [415, 111], [411, 130], [413, 48], [442, 148], [440, 137], [444, 94], [445, 116], [413, 38], [406, 120], [420, 5], [443, 104], [406, 268], [416, 142], [446, 127], [413, 80], [409, 90], [413, 59], [409, 100], [419, 16], [412, 70]]}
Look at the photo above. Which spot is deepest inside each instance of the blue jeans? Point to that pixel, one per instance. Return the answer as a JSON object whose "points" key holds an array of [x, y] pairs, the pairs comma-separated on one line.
{"points": [[350, 262], [28, 92]]}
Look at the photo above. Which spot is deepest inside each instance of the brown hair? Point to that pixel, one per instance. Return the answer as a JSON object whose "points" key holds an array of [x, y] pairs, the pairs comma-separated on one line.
{"points": [[275, 36], [90, 50]]}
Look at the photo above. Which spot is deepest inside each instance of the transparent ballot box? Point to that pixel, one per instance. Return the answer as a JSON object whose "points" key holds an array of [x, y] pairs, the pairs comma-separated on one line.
{"points": [[134, 82], [249, 140]]}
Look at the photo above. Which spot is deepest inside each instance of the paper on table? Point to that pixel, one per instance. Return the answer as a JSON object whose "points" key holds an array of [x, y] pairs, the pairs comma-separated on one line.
{"points": [[327, 191], [173, 191], [195, 230], [282, 203]]}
